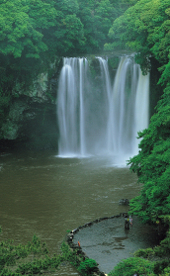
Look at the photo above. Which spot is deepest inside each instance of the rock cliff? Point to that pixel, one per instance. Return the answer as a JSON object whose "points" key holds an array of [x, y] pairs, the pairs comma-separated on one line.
{"points": [[31, 119]]}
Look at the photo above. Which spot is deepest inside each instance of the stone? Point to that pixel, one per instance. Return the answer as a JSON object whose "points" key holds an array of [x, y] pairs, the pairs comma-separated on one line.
{"points": [[124, 201]]}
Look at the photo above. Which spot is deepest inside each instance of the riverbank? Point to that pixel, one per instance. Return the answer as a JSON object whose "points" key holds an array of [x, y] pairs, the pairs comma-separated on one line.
{"points": [[106, 240]]}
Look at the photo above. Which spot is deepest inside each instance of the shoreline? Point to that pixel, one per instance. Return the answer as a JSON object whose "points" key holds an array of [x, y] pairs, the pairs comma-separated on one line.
{"points": [[106, 241]]}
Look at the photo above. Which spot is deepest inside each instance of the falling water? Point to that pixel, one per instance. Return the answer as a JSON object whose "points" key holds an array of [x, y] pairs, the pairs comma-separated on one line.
{"points": [[70, 107], [99, 115]]}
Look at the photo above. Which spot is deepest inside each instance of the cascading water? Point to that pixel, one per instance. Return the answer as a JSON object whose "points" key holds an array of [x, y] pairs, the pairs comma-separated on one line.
{"points": [[70, 108], [100, 116]]}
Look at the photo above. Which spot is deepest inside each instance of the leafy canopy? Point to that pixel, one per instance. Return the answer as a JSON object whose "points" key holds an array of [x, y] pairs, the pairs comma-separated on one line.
{"points": [[21, 25], [33, 33], [29, 259], [145, 29]]}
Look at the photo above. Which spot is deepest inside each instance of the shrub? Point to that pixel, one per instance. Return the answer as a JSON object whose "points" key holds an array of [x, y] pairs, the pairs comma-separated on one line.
{"points": [[87, 266], [133, 266], [144, 253]]}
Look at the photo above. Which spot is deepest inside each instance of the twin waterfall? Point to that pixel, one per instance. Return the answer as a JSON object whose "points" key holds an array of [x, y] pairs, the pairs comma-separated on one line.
{"points": [[100, 115]]}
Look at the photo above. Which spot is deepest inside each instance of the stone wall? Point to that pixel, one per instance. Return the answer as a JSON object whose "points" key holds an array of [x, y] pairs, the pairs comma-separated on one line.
{"points": [[77, 248]]}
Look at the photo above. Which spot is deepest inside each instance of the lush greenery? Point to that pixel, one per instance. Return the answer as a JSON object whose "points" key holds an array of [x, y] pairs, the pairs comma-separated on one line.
{"points": [[85, 266], [145, 29], [29, 259], [151, 261], [147, 32], [33, 33], [33, 259], [132, 266]]}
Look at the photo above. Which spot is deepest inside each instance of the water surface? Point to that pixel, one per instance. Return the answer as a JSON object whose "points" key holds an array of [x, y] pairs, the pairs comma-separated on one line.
{"points": [[46, 195]]}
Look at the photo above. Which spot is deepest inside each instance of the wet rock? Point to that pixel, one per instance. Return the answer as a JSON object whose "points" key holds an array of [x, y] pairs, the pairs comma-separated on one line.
{"points": [[75, 231], [117, 216], [104, 218], [124, 201], [74, 246], [95, 221]]}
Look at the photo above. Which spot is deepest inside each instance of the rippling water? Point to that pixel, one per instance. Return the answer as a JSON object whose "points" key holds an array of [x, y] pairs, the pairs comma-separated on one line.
{"points": [[46, 195]]}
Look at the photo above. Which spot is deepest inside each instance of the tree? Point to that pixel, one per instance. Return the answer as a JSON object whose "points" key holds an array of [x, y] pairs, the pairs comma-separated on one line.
{"points": [[132, 266], [143, 28], [13, 263], [97, 18], [147, 33], [152, 165], [21, 27], [32, 33]]}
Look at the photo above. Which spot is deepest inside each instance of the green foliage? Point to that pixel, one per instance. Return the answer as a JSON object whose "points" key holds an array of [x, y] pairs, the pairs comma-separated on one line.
{"points": [[12, 258], [33, 259], [96, 17], [144, 253], [159, 256], [33, 33], [70, 256], [28, 28], [87, 267], [69, 35], [143, 28], [133, 266], [21, 25], [152, 165]]}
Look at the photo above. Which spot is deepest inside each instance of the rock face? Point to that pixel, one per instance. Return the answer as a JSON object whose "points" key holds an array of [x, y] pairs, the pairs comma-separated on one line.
{"points": [[31, 120]]}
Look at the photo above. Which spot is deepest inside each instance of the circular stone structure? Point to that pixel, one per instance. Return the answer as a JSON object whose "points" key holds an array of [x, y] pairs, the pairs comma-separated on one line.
{"points": [[106, 240]]}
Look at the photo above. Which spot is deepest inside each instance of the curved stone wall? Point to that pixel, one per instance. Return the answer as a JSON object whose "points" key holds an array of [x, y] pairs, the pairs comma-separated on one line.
{"points": [[77, 248]]}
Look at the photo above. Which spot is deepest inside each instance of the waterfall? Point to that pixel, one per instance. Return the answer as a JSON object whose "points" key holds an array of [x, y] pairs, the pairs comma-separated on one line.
{"points": [[98, 115], [70, 107]]}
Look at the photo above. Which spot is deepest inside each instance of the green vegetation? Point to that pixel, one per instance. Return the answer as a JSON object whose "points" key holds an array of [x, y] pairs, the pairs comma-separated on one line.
{"points": [[131, 266], [34, 34], [87, 267], [29, 259], [144, 28], [33, 259], [150, 261], [84, 266], [147, 33]]}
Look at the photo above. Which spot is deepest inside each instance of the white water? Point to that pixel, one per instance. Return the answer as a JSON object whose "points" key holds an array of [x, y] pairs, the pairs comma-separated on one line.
{"points": [[101, 116]]}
